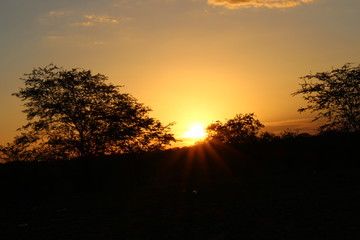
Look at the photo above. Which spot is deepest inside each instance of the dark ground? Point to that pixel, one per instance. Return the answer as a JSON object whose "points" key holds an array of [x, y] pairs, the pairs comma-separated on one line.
{"points": [[306, 188]]}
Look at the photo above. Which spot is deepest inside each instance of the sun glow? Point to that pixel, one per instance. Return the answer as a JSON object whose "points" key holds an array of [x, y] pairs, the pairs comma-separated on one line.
{"points": [[196, 131]]}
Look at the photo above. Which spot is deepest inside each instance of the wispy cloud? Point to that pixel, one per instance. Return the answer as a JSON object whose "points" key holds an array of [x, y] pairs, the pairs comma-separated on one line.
{"points": [[71, 27], [234, 4], [300, 124], [91, 20], [58, 13], [101, 19]]}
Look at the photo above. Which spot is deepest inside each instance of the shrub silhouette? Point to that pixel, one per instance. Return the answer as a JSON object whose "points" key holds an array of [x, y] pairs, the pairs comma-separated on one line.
{"points": [[73, 113]]}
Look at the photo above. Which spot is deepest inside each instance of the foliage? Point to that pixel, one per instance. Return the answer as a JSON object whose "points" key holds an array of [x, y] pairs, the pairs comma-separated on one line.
{"points": [[335, 96], [241, 129], [74, 113], [268, 137]]}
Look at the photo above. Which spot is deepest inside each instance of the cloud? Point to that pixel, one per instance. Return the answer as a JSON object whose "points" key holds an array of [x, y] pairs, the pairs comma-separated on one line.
{"points": [[91, 20], [234, 4], [301, 124], [58, 13], [82, 24], [101, 19]]}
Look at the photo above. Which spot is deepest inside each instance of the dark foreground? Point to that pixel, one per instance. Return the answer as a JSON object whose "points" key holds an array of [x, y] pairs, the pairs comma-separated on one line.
{"points": [[304, 189]]}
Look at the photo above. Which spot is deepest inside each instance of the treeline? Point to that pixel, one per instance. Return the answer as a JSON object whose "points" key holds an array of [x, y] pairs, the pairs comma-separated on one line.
{"points": [[205, 164], [76, 114]]}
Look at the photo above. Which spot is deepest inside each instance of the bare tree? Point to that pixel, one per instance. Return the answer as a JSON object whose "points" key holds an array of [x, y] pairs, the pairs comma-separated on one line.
{"points": [[334, 96]]}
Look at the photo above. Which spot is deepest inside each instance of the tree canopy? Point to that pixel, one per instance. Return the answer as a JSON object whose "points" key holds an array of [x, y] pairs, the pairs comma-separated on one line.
{"points": [[242, 128], [74, 113], [334, 96]]}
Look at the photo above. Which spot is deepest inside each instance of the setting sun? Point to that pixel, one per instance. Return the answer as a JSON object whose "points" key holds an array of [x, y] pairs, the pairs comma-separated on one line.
{"points": [[191, 62], [196, 131]]}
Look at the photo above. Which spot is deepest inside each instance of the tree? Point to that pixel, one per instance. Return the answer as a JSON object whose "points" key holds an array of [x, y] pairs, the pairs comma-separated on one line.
{"points": [[73, 113], [242, 128], [334, 96]]}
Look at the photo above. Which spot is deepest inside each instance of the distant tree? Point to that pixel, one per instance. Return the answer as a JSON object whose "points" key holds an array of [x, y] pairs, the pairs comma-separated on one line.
{"points": [[241, 129], [334, 96], [268, 137], [74, 113]]}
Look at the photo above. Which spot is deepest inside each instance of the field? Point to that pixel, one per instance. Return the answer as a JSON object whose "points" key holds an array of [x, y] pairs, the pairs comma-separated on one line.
{"points": [[301, 188]]}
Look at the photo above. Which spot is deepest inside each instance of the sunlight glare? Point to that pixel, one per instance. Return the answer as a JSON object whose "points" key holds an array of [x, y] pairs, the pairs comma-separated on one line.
{"points": [[196, 131]]}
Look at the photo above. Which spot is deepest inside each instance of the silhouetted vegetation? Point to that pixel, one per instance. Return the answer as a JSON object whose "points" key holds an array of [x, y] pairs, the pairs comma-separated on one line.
{"points": [[74, 113], [334, 96], [243, 128], [238, 183], [294, 185]]}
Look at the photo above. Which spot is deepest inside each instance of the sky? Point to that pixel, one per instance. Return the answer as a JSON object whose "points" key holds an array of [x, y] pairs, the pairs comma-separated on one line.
{"points": [[190, 61]]}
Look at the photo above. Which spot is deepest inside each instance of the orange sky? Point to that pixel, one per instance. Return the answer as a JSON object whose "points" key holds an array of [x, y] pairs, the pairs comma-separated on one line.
{"points": [[191, 61]]}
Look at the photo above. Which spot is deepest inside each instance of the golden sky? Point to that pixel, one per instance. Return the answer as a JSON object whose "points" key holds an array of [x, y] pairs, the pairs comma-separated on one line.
{"points": [[191, 61]]}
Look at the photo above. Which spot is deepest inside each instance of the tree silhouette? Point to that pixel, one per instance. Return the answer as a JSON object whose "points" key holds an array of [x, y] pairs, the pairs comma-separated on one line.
{"points": [[74, 113], [335, 96], [241, 129]]}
